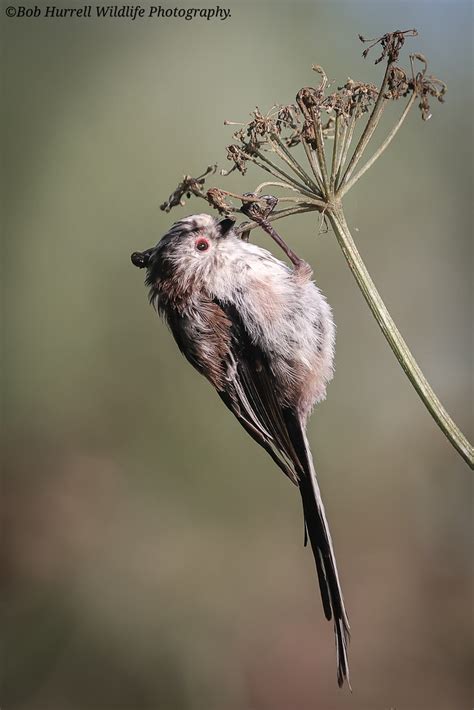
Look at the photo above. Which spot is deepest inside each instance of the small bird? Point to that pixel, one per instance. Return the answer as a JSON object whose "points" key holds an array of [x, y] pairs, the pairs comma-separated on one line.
{"points": [[262, 333]]}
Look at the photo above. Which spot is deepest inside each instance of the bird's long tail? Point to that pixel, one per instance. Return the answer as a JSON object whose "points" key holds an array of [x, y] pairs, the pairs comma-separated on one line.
{"points": [[320, 538]]}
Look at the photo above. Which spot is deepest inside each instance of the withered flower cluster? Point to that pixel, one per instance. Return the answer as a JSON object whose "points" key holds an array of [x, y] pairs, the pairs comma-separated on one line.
{"points": [[188, 186], [316, 119], [391, 44], [323, 123]]}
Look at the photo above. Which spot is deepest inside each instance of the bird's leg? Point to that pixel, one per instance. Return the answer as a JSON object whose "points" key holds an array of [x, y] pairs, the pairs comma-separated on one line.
{"points": [[292, 256], [259, 212]]}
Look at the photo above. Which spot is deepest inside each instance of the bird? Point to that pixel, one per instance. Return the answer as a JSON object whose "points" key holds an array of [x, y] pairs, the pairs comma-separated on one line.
{"points": [[262, 333]]}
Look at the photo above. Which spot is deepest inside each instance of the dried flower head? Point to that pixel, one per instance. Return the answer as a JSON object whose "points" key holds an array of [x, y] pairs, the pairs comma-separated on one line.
{"points": [[289, 121], [261, 126], [188, 186], [426, 86], [238, 155], [355, 97], [391, 44], [217, 199], [316, 117], [398, 84]]}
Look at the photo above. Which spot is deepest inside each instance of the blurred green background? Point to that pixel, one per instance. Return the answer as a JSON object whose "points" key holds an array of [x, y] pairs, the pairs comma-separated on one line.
{"points": [[152, 553]]}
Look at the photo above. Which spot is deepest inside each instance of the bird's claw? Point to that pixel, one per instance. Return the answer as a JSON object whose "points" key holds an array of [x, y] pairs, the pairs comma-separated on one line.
{"points": [[260, 209]]}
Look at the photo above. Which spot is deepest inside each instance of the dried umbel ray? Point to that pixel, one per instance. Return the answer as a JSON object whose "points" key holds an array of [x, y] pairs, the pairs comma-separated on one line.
{"points": [[324, 123]]}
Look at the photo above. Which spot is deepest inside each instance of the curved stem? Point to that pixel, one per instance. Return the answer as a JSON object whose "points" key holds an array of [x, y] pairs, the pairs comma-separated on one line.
{"points": [[285, 198], [394, 338], [310, 196], [272, 183], [247, 226]]}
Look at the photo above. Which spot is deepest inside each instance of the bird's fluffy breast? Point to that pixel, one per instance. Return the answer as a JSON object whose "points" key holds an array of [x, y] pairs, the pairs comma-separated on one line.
{"points": [[284, 312]]}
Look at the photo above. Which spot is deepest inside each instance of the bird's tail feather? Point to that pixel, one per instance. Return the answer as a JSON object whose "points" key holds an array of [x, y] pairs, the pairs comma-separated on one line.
{"points": [[321, 544]]}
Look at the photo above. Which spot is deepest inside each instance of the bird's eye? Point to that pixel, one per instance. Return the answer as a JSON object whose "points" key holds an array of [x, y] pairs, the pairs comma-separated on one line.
{"points": [[202, 244]]}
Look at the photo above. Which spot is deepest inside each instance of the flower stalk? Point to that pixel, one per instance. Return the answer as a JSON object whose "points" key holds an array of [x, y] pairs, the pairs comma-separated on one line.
{"points": [[394, 337]]}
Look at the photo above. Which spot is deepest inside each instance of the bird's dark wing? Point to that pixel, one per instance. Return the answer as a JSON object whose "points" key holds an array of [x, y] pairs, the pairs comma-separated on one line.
{"points": [[215, 341], [249, 392]]}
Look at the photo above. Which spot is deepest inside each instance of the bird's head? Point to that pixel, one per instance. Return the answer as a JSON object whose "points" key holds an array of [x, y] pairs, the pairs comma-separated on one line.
{"points": [[189, 247]]}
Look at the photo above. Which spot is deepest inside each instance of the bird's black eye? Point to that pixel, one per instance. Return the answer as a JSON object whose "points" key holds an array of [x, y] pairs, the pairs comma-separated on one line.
{"points": [[202, 244]]}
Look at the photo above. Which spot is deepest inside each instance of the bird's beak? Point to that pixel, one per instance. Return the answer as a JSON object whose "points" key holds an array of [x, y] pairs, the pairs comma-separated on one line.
{"points": [[140, 259], [225, 225]]}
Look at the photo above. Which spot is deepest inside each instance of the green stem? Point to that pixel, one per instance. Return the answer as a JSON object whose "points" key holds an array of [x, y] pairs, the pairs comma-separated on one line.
{"points": [[370, 127], [346, 143], [272, 183], [276, 171], [247, 226], [291, 161], [312, 160], [394, 338], [380, 149], [336, 151], [318, 132]]}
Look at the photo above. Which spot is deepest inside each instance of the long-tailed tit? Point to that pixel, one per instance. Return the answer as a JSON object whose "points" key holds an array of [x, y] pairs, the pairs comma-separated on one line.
{"points": [[263, 335]]}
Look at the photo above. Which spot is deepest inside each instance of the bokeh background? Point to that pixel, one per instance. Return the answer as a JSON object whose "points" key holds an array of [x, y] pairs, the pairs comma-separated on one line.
{"points": [[152, 555]]}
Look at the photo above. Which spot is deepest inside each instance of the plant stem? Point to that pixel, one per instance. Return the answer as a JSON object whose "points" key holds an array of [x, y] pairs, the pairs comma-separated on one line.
{"points": [[312, 160], [395, 340], [275, 170], [370, 127], [336, 151], [247, 226], [347, 140], [318, 132], [272, 183], [292, 162], [347, 186]]}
